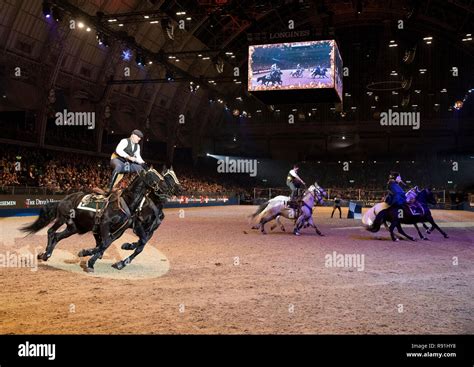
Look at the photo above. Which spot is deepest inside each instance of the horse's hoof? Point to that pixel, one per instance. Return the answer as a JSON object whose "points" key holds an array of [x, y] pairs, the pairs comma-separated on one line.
{"points": [[297, 233], [272, 228], [426, 239], [118, 265], [395, 240], [127, 246], [88, 269], [320, 234], [43, 256], [283, 229], [446, 236], [263, 232], [81, 253]]}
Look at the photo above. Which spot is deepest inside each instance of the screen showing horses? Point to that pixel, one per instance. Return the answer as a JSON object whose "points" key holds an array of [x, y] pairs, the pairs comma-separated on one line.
{"points": [[295, 65]]}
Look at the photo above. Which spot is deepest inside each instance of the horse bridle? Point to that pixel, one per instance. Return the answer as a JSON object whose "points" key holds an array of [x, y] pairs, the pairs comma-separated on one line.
{"points": [[156, 185], [319, 190]]}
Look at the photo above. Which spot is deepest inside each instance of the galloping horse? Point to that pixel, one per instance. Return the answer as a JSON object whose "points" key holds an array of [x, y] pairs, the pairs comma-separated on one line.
{"points": [[264, 79], [116, 217], [276, 207], [317, 71], [274, 77], [397, 216], [150, 216]]}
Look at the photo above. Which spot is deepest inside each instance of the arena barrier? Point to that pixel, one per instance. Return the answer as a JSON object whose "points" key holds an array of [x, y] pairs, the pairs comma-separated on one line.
{"points": [[25, 205], [366, 198]]}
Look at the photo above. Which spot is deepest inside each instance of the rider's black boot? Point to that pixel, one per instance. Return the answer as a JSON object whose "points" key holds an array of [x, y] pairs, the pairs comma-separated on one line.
{"points": [[111, 184]]}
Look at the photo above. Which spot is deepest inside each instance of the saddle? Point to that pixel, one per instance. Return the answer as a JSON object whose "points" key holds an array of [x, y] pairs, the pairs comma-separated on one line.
{"points": [[97, 203], [297, 201], [414, 208], [293, 204], [93, 202]]}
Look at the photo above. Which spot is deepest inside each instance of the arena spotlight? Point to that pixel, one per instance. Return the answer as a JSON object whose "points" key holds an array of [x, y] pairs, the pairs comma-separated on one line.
{"points": [[458, 105], [46, 9], [126, 55], [193, 87], [102, 39], [359, 6]]}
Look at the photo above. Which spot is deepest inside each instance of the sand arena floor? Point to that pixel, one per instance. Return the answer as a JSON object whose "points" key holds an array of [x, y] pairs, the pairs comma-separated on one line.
{"points": [[208, 272]]}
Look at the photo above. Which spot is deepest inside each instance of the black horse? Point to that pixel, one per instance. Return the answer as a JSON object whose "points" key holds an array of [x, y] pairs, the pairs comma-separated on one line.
{"points": [[317, 71], [149, 217], [265, 79], [398, 216], [274, 77], [115, 219]]}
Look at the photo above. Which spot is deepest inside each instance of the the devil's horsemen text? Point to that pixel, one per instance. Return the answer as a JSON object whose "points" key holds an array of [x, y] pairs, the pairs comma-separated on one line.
{"points": [[39, 202]]}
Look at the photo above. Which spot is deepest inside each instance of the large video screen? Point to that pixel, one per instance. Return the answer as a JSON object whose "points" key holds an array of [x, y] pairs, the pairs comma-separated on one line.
{"points": [[295, 65]]}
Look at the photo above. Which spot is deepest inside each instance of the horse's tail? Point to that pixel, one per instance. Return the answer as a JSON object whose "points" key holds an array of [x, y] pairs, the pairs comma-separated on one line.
{"points": [[46, 215], [260, 209], [379, 218]]}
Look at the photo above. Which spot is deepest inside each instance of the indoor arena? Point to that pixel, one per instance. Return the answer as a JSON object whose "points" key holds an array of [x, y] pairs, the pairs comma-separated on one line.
{"points": [[224, 167]]}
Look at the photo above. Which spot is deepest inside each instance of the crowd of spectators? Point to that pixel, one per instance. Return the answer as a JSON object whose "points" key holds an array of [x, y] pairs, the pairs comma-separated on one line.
{"points": [[62, 172], [58, 172], [65, 172]]}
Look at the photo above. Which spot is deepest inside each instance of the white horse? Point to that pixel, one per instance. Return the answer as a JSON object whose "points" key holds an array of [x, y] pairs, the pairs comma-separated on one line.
{"points": [[278, 206], [369, 216]]}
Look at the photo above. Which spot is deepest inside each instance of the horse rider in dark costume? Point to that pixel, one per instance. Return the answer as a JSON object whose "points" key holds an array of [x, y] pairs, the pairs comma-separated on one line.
{"points": [[126, 158], [396, 195]]}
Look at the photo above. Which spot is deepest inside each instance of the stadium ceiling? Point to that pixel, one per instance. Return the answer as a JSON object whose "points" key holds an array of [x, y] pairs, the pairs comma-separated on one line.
{"points": [[225, 26], [214, 27]]}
